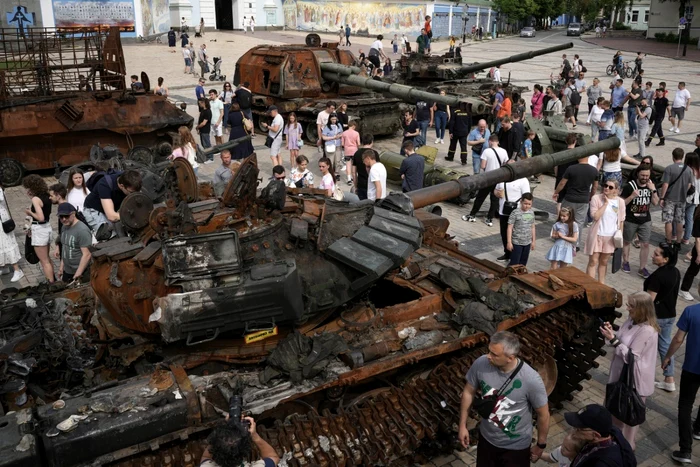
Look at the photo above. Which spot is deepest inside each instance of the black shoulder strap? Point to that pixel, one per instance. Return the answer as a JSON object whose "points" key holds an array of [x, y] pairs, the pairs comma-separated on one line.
{"points": [[675, 180], [510, 378]]}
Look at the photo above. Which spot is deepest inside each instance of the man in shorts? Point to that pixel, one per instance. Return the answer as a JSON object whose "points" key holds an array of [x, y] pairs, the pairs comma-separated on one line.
{"points": [[680, 105], [217, 116], [188, 60], [274, 131], [639, 195], [676, 181]]}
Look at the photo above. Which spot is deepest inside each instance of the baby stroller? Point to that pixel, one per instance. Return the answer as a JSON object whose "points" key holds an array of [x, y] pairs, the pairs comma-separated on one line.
{"points": [[217, 76], [197, 31]]}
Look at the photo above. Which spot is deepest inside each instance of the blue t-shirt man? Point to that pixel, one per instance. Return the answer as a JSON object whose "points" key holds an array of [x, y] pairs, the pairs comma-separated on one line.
{"points": [[475, 135], [689, 323], [617, 97], [199, 91]]}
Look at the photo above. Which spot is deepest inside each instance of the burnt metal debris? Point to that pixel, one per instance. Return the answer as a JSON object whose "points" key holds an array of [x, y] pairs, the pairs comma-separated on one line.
{"points": [[62, 90], [136, 367]]}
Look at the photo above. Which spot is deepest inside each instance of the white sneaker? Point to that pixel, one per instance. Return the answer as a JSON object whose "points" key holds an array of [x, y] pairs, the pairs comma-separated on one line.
{"points": [[343, 169], [686, 296], [668, 387], [17, 276], [437, 141], [677, 130], [442, 141], [672, 129]]}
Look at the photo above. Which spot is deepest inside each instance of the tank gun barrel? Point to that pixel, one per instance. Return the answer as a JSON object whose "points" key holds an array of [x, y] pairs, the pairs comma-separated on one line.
{"points": [[227, 145], [515, 58], [408, 93], [507, 173]]}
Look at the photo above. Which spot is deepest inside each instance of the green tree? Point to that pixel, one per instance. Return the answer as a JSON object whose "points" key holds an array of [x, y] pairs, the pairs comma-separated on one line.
{"points": [[515, 9]]}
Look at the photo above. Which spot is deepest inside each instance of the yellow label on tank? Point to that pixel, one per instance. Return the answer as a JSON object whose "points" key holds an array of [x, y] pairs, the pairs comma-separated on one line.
{"points": [[260, 335]]}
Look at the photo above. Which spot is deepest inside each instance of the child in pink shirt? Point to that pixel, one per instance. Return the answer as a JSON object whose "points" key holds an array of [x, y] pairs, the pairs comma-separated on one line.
{"points": [[351, 141]]}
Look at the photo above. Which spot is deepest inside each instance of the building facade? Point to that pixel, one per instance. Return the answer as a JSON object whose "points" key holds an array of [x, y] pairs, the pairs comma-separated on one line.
{"points": [[140, 17], [664, 17]]}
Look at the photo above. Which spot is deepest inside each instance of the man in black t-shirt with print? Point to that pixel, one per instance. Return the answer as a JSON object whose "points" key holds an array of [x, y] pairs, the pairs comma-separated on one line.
{"points": [[360, 176], [639, 195]]}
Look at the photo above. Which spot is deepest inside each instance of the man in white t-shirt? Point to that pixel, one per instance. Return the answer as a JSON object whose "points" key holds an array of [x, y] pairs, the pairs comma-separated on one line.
{"points": [[188, 59], [321, 121], [274, 131], [217, 116], [492, 158], [376, 183], [680, 105], [513, 191]]}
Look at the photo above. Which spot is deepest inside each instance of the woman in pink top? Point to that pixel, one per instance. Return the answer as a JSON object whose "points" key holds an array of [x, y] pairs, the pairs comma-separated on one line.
{"points": [[351, 141], [537, 101], [640, 334]]}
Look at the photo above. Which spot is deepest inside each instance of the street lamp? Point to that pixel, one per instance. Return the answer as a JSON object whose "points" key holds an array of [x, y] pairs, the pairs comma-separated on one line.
{"points": [[689, 17]]}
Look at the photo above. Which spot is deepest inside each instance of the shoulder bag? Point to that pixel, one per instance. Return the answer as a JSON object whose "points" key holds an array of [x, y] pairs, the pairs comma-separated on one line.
{"points": [[484, 405], [508, 206], [269, 140], [247, 124], [691, 190], [622, 399], [8, 225]]}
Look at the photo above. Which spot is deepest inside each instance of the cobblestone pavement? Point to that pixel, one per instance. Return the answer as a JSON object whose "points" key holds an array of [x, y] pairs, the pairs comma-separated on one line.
{"points": [[659, 434]]}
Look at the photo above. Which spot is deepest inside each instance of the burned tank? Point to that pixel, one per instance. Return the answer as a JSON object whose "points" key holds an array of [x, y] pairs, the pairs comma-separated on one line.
{"points": [[346, 328], [63, 90]]}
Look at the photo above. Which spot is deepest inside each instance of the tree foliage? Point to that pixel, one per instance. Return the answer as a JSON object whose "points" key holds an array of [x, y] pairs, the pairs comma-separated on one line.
{"points": [[515, 9]]}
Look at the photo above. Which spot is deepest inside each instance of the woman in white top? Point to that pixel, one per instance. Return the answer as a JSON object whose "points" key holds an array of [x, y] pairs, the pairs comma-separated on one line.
{"points": [[9, 250], [77, 191], [327, 178], [608, 213], [187, 148], [252, 25]]}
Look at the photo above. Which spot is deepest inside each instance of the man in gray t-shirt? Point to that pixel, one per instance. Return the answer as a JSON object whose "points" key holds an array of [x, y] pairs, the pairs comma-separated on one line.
{"points": [[76, 238], [675, 182], [506, 435]]}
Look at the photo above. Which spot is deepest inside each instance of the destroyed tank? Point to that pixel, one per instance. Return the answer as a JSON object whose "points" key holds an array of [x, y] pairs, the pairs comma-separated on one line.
{"points": [[346, 328], [49, 119], [448, 73]]}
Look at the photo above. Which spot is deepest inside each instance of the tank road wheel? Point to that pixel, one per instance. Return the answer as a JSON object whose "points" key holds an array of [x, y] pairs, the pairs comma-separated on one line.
{"points": [[11, 172], [141, 154], [311, 133], [260, 120], [313, 40]]}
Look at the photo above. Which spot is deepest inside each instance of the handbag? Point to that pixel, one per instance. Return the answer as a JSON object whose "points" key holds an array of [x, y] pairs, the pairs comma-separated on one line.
{"points": [[338, 194], [330, 148], [247, 124], [29, 252], [8, 225], [484, 405], [622, 399], [617, 239]]}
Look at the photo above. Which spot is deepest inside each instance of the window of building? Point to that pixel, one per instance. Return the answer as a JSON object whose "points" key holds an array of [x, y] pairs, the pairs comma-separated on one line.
{"points": [[646, 16], [635, 16]]}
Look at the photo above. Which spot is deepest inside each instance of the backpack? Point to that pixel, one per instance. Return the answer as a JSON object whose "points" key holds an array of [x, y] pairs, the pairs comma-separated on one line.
{"points": [[430, 33], [97, 176], [243, 98], [574, 97]]}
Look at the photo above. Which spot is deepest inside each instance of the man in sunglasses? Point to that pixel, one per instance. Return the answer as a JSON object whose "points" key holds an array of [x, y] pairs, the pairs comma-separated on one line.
{"points": [[76, 239]]}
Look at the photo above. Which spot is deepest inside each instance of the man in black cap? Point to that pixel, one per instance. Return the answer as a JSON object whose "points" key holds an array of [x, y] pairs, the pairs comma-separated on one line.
{"points": [[274, 133], [76, 239], [605, 444]]}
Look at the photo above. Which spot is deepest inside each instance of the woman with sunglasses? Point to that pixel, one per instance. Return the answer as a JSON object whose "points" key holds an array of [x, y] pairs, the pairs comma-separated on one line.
{"points": [[226, 96], [663, 285], [608, 213], [639, 335]]}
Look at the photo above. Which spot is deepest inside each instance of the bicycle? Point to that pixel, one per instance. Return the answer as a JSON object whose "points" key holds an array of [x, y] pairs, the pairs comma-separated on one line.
{"points": [[627, 71]]}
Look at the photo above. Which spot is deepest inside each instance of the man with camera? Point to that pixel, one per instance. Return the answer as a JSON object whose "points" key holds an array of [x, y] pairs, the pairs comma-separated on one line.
{"points": [[230, 446], [509, 390]]}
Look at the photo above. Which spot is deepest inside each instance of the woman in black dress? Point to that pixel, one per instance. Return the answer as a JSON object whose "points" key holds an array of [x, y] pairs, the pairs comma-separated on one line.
{"points": [[235, 120]]}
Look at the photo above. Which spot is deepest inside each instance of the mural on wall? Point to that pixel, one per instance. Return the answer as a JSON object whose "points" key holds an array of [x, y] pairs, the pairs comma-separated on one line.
{"points": [[21, 19], [372, 18], [90, 14], [156, 16]]}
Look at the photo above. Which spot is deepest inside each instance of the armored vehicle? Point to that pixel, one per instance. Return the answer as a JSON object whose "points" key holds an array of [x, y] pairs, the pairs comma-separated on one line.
{"points": [[64, 89], [347, 328]]}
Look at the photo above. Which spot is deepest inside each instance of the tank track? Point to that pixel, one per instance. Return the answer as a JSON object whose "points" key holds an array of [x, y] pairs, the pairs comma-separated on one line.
{"points": [[398, 421]]}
